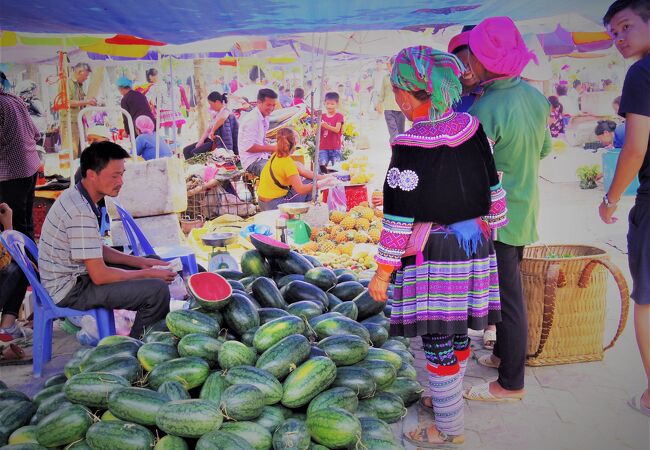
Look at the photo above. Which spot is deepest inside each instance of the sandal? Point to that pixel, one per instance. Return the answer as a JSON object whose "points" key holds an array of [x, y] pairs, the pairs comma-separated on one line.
{"points": [[13, 355], [481, 393], [635, 403], [421, 437], [489, 339], [489, 361]]}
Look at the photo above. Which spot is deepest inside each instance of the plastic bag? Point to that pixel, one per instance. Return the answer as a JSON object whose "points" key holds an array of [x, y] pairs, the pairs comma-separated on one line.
{"points": [[177, 289], [336, 200], [124, 321]]}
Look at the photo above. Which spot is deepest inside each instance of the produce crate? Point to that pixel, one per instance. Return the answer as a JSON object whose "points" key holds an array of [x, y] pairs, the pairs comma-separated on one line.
{"points": [[211, 202]]}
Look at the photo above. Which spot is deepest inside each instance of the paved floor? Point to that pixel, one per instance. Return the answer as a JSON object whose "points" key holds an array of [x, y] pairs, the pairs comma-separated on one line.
{"points": [[573, 407]]}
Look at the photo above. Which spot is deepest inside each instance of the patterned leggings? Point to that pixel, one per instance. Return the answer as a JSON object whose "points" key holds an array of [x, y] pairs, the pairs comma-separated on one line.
{"points": [[445, 350]]}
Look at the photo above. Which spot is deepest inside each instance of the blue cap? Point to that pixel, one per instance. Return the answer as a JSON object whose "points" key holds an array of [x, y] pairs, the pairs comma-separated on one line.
{"points": [[124, 82]]}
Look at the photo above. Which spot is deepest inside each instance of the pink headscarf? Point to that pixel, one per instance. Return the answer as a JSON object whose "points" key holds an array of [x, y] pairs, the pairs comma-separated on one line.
{"points": [[458, 41], [144, 124], [498, 45]]}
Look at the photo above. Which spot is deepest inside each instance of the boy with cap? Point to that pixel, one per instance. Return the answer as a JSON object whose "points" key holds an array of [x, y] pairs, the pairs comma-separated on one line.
{"points": [[514, 116]]}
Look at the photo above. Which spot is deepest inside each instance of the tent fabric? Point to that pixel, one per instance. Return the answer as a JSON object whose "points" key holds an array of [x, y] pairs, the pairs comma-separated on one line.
{"points": [[184, 22]]}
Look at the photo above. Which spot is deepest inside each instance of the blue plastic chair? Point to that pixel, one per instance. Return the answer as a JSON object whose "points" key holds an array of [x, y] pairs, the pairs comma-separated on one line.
{"points": [[141, 246], [45, 310]]}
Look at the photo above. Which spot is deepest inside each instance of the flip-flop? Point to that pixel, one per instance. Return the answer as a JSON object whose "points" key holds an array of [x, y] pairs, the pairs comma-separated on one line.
{"points": [[635, 402], [424, 442], [489, 339], [481, 393], [488, 361], [13, 355]]}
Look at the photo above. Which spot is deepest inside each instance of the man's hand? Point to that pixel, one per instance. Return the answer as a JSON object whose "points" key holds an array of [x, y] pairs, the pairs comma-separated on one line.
{"points": [[161, 274], [92, 101], [148, 263], [6, 216], [607, 214]]}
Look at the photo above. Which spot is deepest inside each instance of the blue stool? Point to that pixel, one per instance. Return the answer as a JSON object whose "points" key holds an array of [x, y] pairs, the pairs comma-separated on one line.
{"points": [[141, 246], [45, 310]]}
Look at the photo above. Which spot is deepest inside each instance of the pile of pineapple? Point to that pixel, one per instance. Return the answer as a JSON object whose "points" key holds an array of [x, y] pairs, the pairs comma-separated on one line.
{"points": [[334, 243], [357, 167]]}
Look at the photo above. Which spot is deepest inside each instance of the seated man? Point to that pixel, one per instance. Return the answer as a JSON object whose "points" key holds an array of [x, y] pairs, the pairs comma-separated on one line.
{"points": [[77, 270], [253, 149]]}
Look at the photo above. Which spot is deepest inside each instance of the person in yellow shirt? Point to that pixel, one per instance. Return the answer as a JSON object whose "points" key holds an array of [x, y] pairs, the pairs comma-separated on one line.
{"points": [[281, 180]]}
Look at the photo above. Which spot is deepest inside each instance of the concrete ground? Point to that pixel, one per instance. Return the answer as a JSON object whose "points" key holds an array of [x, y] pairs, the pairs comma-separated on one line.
{"points": [[573, 407]]}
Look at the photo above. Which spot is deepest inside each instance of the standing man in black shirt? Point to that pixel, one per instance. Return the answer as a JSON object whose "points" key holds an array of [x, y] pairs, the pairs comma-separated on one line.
{"points": [[134, 102]]}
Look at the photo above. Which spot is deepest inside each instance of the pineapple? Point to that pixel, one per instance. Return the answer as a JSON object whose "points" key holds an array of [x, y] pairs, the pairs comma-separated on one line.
{"points": [[335, 229], [374, 235], [347, 248], [314, 234], [326, 246], [340, 237], [363, 224], [337, 216], [368, 213], [355, 214], [310, 247], [322, 234], [348, 223], [360, 238]]}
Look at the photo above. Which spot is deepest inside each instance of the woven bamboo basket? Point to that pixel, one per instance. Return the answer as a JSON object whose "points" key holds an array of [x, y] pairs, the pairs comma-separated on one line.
{"points": [[565, 287]]}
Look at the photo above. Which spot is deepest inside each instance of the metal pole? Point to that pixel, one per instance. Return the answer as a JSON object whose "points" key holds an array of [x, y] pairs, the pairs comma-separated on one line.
{"points": [[320, 120], [158, 102], [172, 86]]}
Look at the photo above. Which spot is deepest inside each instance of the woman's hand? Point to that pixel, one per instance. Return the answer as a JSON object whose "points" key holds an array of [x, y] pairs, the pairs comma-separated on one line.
{"points": [[378, 288]]}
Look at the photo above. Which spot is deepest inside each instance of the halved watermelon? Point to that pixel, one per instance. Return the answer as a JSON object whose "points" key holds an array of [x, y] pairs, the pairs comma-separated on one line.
{"points": [[269, 247], [211, 290]]}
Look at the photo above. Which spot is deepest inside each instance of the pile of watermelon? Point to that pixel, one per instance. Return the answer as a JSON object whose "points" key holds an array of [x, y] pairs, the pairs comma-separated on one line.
{"points": [[285, 354]]}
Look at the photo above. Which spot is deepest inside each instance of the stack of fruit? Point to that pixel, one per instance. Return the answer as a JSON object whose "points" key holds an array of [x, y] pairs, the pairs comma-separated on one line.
{"points": [[357, 167], [284, 354], [336, 245]]}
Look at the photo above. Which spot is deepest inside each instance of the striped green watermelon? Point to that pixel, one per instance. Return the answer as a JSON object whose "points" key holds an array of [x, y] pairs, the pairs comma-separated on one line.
{"points": [[64, 426], [253, 264], [136, 405], [271, 418], [307, 381], [348, 309], [23, 435], [99, 354], [213, 387], [234, 353], [240, 314], [164, 337], [340, 325], [292, 434], [285, 356], [344, 349], [190, 372], [59, 378], [242, 402], [274, 331], [306, 309], [267, 293], [119, 435], [93, 389], [256, 435], [174, 390], [186, 321], [407, 389], [334, 427], [15, 416], [222, 440], [170, 442], [356, 378], [261, 379], [154, 353], [375, 429], [201, 345], [124, 366], [322, 277], [388, 406], [51, 404], [338, 397], [381, 371], [189, 418], [268, 314], [46, 393]]}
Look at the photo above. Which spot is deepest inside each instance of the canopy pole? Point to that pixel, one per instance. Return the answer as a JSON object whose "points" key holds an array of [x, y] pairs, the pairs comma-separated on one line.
{"points": [[172, 86], [158, 102], [320, 120]]}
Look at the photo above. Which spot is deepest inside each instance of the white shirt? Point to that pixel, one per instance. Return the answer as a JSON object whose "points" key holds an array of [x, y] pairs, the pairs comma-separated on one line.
{"points": [[252, 130]]}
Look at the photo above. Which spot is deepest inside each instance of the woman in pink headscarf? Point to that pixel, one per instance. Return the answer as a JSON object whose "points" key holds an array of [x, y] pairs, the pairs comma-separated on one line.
{"points": [[145, 143]]}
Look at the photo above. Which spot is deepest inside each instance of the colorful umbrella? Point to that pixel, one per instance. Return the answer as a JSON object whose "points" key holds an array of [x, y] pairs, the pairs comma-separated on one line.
{"points": [[123, 46]]}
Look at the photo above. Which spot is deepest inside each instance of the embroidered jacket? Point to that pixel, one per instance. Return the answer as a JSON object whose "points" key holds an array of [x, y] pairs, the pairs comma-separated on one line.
{"points": [[441, 172]]}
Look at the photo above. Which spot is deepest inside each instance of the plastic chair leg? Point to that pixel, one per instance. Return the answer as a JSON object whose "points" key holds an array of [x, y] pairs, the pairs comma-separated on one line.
{"points": [[47, 339], [189, 264], [38, 342], [105, 322]]}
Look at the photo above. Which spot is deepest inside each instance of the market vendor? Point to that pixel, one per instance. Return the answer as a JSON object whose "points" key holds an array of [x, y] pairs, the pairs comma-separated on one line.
{"points": [[133, 102], [224, 129], [145, 143], [254, 151], [77, 270], [281, 180], [78, 100]]}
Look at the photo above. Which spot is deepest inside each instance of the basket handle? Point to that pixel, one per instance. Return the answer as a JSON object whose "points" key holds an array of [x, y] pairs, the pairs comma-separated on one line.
{"points": [[553, 276], [585, 279]]}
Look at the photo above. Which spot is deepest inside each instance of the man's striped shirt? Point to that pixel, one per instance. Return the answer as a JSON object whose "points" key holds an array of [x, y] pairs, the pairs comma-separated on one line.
{"points": [[70, 234]]}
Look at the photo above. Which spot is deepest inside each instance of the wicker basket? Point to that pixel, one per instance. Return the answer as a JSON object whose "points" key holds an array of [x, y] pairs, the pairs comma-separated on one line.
{"points": [[565, 287]]}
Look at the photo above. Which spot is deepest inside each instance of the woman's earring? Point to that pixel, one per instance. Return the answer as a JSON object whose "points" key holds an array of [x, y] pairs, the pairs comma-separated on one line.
{"points": [[405, 106]]}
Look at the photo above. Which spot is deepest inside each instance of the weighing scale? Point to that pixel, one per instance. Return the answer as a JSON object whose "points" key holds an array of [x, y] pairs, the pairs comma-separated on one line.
{"points": [[220, 258], [297, 229]]}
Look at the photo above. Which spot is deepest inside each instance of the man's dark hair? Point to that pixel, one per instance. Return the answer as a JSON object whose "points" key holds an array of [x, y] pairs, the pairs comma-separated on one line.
{"points": [[265, 93], [217, 97], [97, 156], [605, 125], [641, 7], [332, 96], [150, 73], [576, 83], [561, 90], [459, 49], [299, 93]]}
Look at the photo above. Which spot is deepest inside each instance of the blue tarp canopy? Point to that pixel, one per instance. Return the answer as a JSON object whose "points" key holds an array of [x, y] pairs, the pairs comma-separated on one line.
{"points": [[177, 22]]}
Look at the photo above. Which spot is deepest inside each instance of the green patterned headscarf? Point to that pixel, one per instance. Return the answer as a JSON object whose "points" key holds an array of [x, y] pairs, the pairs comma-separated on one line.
{"points": [[426, 69]]}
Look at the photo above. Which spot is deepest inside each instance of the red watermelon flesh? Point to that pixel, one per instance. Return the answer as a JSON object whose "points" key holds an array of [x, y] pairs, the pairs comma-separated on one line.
{"points": [[269, 247], [211, 290]]}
